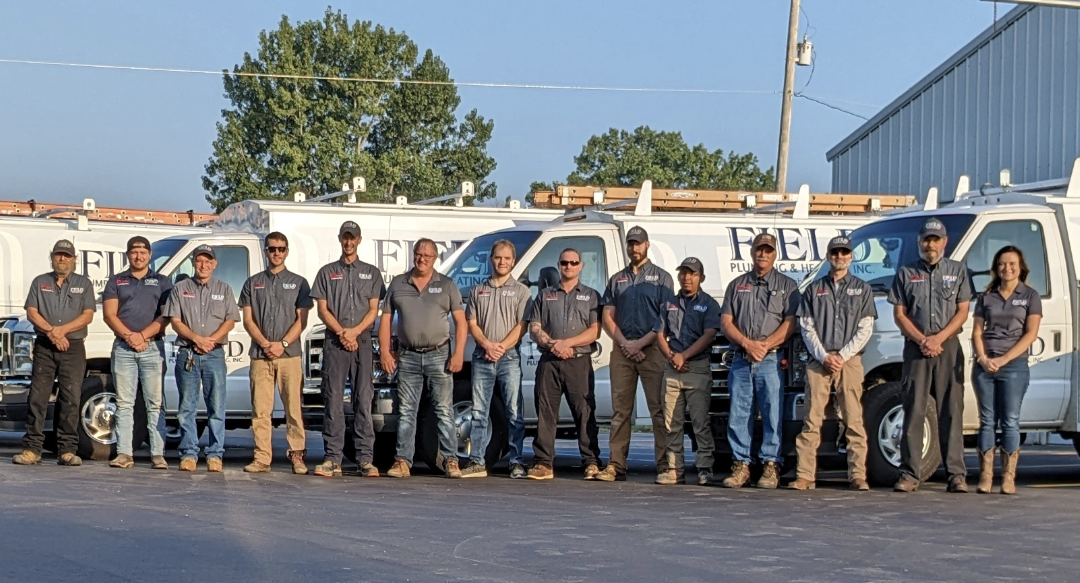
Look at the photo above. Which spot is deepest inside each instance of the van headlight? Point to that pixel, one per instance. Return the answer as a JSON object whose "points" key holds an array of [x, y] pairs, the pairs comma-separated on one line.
{"points": [[800, 357], [22, 354]]}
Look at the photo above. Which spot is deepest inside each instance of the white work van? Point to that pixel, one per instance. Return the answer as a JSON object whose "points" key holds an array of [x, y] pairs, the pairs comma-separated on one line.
{"points": [[1043, 220]]}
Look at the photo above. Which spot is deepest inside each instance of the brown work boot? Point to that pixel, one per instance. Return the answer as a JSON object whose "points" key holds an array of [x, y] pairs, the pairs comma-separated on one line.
{"points": [[986, 471], [541, 472], [859, 484], [801, 484], [158, 462], [1008, 471], [770, 477], [400, 469], [957, 485], [592, 472], [188, 464], [28, 457], [296, 458], [255, 467], [328, 469], [452, 469], [740, 475], [69, 459], [213, 464], [122, 460], [906, 484], [611, 474], [667, 477], [367, 470]]}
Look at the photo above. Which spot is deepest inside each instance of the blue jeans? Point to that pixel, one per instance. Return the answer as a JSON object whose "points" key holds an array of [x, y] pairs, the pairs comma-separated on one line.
{"points": [[999, 396], [751, 384], [413, 369], [208, 373], [129, 369], [507, 371]]}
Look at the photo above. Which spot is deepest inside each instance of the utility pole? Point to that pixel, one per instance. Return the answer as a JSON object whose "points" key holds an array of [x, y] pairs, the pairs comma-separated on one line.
{"points": [[789, 94]]}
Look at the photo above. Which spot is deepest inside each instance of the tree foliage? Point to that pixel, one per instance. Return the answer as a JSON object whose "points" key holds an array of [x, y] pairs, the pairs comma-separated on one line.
{"points": [[288, 134], [621, 158]]}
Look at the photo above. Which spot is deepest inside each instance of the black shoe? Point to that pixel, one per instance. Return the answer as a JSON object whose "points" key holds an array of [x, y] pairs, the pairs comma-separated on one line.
{"points": [[474, 470]]}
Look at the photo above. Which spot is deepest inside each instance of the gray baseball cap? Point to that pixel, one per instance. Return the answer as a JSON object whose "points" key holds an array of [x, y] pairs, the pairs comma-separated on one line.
{"points": [[350, 228], [637, 235], [932, 227], [205, 250], [64, 246], [693, 264], [839, 242]]}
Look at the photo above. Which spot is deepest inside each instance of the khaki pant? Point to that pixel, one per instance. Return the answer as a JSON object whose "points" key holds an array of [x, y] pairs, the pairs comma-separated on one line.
{"points": [[624, 381], [848, 384], [688, 392], [287, 375]]}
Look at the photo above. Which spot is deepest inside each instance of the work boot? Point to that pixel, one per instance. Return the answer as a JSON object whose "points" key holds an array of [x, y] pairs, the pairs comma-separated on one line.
{"points": [[187, 464], [667, 478], [400, 469], [1008, 471], [704, 477], [474, 470], [957, 485], [541, 472], [611, 474], [328, 469], [740, 475], [770, 477], [986, 472], [906, 484], [367, 470], [801, 484], [452, 469], [122, 460], [592, 472], [859, 485], [296, 458], [28, 457], [256, 467], [213, 464], [158, 462], [518, 471], [69, 459]]}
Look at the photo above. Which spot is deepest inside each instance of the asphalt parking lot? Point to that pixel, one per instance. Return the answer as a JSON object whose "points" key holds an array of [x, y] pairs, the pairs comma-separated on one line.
{"points": [[102, 524]]}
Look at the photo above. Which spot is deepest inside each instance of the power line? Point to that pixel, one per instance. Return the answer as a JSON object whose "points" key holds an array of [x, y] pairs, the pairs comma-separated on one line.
{"points": [[831, 106]]}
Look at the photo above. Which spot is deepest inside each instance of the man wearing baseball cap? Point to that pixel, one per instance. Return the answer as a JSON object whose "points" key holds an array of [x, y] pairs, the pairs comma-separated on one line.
{"points": [[836, 317], [632, 304], [758, 316], [202, 310], [133, 303], [60, 305], [930, 298], [686, 329]]}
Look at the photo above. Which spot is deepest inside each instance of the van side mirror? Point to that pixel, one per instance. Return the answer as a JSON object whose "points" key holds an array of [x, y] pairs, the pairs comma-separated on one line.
{"points": [[980, 279]]}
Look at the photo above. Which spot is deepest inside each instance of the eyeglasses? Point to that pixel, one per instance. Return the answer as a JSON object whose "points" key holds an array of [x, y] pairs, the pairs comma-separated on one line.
{"points": [[569, 263], [844, 252], [424, 255], [271, 249]]}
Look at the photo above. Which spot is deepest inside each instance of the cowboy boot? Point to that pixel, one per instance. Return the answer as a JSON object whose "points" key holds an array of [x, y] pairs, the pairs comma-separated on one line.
{"points": [[1008, 471], [986, 471]]}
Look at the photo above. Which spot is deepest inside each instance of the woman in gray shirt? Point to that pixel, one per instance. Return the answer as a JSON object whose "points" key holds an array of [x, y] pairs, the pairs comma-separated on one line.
{"points": [[1006, 323]]}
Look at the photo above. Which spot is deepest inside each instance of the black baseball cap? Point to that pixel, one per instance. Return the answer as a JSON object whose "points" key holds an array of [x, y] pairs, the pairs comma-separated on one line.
{"points": [[693, 264], [932, 227], [64, 246], [205, 250], [138, 242], [351, 228], [637, 235], [839, 242], [764, 239]]}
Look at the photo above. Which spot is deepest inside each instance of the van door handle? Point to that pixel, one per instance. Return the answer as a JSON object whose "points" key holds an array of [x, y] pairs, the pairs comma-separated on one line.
{"points": [[1057, 341]]}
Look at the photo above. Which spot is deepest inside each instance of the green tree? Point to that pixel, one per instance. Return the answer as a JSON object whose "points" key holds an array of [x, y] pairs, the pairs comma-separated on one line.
{"points": [[287, 134], [621, 158]]}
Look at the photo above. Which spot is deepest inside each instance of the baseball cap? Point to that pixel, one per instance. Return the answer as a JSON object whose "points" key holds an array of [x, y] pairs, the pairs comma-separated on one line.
{"points": [[350, 228], [839, 242], [764, 239], [205, 250], [64, 246], [933, 227], [637, 235], [138, 242], [693, 264]]}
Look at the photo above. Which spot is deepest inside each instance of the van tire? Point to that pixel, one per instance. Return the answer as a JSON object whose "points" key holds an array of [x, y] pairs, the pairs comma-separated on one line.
{"points": [[427, 435], [881, 415], [97, 419]]}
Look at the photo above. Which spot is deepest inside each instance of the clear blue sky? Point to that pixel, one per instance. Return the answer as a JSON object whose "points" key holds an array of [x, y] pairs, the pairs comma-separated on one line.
{"points": [[142, 139]]}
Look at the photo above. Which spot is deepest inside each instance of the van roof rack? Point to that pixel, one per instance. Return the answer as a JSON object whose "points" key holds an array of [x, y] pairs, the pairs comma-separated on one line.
{"points": [[90, 211]]}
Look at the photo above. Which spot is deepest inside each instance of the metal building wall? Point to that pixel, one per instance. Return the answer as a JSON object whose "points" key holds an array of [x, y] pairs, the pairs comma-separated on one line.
{"points": [[1009, 99]]}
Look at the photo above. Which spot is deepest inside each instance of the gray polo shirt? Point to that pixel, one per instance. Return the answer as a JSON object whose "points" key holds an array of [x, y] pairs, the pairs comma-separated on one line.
{"points": [[759, 305], [139, 301], [347, 289], [837, 307], [497, 309], [566, 314], [274, 299], [1004, 319], [930, 293], [683, 320], [422, 313], [202, 307], [638, 298], [60, 304]]}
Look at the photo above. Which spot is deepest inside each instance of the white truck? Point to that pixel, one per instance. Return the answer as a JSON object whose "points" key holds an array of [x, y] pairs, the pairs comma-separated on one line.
{"points": [[1042, 219]]}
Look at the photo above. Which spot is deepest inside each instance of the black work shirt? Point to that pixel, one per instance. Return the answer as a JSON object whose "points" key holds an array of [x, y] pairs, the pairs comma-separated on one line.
{"points": [[423, 314], [837, 307], [930, 293], [758, 305], [683, 321], [274, 299], [1004, 319], [638, 298], [140, 301], [60, 304], [348, 289], [563, 314]]}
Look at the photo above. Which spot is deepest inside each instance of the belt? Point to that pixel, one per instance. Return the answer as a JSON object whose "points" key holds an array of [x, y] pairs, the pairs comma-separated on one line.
{"points": [[740, 352], [427, 349]]}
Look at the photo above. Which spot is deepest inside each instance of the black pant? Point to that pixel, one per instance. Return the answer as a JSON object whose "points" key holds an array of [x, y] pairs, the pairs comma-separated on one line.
{"points": [[338, 366], [50, 366], [574, 378], [940, 378]]}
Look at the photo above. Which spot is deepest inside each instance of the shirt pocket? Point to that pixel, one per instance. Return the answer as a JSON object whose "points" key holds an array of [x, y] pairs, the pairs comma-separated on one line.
{"points": [[218, 310], [776, 303]]}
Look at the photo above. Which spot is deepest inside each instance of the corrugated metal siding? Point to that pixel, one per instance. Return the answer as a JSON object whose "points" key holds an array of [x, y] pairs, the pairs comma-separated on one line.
{"points": [[1009, 102]]}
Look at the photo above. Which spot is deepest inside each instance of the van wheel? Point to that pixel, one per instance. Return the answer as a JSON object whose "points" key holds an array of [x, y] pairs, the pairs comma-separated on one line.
{"points": [[97, 419], [883, 416], [427, 438]]}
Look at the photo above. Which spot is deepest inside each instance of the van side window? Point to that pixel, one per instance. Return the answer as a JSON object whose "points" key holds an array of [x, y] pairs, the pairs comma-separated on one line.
{"points": [[1025, 234], [232, 268], [594, 264]]}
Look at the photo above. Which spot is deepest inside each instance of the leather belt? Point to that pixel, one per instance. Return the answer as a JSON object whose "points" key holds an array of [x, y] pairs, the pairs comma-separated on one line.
{"points": [[427, 349]]}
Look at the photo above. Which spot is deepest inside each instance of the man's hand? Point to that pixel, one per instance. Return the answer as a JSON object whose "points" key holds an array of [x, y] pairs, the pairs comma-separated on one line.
{"points": [[388, 362], [833, 363], [62, 344], [348, 335], [55, 335], [562, 349], [351, 345], [136, 341], [756, 350], [931, 345], [678, 362], [457, 361], [274, 350], [205, 344]]}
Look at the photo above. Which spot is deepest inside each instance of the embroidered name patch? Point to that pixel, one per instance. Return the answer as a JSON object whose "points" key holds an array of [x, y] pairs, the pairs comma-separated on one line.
{"points": [[701, 309], [217, 297], [337, 276], [123, 281], [672, 308], [188, 294], [918, 278], [584, 297], [550, 297], [821, 292], [509, 294], [259, 286], [1020, 302], [46, 287], [365, 276], [855, 292], [483, 293], [78, 290], [621, 279], [288, 286], [744, 288], [652, 278], [152, 282], [434, 290]]}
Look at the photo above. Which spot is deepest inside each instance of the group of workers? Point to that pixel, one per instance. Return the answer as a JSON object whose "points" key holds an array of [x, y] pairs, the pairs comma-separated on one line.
{"points": [[662, 337]]}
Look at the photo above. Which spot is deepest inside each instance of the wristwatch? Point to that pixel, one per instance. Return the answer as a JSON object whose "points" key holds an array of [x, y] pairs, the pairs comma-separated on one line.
{"points": [[284, 343]]}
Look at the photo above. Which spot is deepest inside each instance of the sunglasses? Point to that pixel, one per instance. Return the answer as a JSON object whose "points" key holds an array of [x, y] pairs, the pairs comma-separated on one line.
{"points": [[840, 252], [569, 263], [271, 249]]}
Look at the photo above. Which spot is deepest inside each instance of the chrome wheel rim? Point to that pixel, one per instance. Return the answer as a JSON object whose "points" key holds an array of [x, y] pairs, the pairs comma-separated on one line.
{"points": [[462, 412], [891, 431], [99, 418]]}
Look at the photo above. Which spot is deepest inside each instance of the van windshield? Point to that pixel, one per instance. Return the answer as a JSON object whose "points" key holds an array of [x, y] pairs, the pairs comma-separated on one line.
{"points": [[163, 251], [472, 266], [881, 247]]}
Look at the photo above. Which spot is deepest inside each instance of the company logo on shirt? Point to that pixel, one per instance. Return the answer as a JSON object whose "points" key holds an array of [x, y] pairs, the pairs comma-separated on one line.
{"points": [[483, 293], [217, 297], [621, 279], [259, 286], [1020, 303], [152, 282], [918, 278], [123, 281], [434, 290], [948, 280], [188, 294], [584, 297], [46, 287], [743, 289], [365, 276], [551, 297], [288, 286], [337, 276], [78, 290], [652, 278], [855, 292], [821, 292], [672, 307], [701, 309], [509, 294]]}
